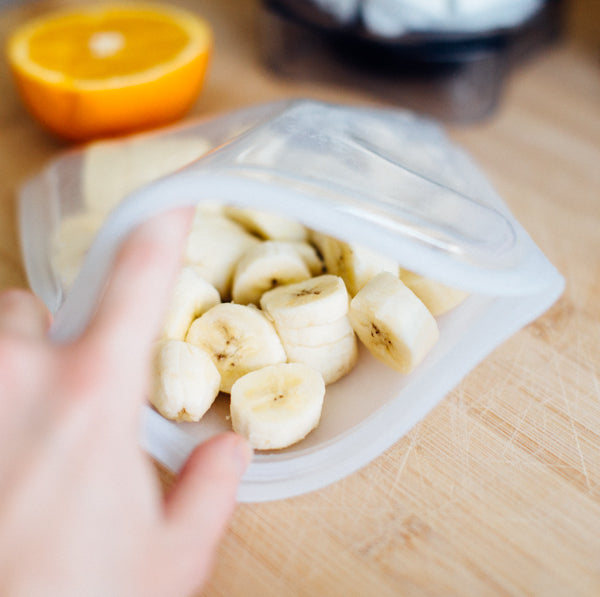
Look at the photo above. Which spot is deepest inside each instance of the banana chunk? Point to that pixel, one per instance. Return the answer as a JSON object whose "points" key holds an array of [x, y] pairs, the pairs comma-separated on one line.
{"points": [[191, 297], [214, 246], [309, 255], [186, 381], [239, 339], [113, 170], [311, 318], [268, 226], [315, 335], [393, 323], [266, 266], [277, 405], [357, 265], [317, 301], [332, 360], [71, 242], [438, 298], [329, 249]]}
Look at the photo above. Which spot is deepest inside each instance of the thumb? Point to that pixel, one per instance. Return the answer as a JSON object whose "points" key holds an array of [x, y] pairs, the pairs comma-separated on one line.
{"points": [[200, 505]]}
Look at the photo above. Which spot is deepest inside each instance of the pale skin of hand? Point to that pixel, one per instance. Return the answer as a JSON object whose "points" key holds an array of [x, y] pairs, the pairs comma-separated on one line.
{"points": [[82, 513]]}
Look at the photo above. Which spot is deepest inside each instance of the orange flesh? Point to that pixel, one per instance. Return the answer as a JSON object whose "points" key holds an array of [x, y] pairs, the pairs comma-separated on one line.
{"points": [[65, 46]]}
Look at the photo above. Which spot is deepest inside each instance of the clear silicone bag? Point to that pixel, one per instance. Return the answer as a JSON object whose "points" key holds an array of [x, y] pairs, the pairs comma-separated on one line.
{"points": [[385, 179]]}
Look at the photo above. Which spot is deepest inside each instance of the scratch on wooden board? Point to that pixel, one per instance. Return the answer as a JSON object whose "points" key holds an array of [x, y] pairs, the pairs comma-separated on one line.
{"points": [[509, 375], [563, 392], [414, 436], [590, 361], [516, 429], [596, 385], [462, 440]]}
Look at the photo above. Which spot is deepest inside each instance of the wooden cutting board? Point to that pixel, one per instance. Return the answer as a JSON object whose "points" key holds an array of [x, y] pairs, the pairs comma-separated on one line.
{"points": [[495, 492]]}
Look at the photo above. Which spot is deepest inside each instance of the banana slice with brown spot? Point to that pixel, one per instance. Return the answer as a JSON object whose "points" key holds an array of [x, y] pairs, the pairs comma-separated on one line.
{"points": [[393, 323], [239, 338], [278, 405], [264, 267]]}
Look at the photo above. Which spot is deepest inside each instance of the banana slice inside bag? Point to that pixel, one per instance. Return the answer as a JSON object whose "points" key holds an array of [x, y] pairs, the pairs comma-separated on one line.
{"points": [[311, 318], [265, 266], [191, 297], [278, 405], [186, 381], [239, 339], [393, 323]]}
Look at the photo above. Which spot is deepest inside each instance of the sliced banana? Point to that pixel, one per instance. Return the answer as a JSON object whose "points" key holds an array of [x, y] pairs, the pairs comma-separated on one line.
{"points": [[393, 323], [437, 297], [332, 360], [277, 405], [186, 381], [113, 170], [211, 208], [266, 266], [309, 255], [357, 265], [239, 338], [71, 242], [315, 335], [317, 301], [268, 226], [192, 295], [329, 249], [215, 245]]}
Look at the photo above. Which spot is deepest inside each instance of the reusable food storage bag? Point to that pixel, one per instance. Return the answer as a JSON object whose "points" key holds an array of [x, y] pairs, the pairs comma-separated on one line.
{"points": [[385, 179]]}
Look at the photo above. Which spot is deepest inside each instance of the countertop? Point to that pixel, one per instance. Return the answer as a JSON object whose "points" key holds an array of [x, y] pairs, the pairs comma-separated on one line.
{"points": [[497, 490]]}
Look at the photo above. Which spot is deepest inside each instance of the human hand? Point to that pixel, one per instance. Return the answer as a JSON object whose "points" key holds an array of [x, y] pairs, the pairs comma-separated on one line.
{"points": [[81, 510]]}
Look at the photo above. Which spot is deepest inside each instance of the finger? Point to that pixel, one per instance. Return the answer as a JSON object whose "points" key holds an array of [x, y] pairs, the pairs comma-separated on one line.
{"points": [[131, 309], [23, 314], [202, 501]]}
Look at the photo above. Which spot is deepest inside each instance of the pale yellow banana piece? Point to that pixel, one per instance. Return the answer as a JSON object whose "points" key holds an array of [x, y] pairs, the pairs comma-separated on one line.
{"points": [[268, 226], [437, 297], [357, 265], [310, 256], [214, 246], [239, 338], [317, 301], [393, 323], [186, 381], [332, 360], [277, 405], [210, 208], [315, 335], [266, 266], [192, 295], [71, 242], [329, 249], [113, 170]]}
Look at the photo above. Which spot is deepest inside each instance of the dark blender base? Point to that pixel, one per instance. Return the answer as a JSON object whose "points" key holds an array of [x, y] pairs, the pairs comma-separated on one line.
{"points": [[452, 77]]}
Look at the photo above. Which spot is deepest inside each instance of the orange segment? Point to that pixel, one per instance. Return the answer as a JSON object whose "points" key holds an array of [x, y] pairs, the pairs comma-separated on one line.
{"points": [[101, 71]]}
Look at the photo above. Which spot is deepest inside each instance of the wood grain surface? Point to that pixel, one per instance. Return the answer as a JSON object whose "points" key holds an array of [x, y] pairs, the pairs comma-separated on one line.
{"points": [[497, 491]]}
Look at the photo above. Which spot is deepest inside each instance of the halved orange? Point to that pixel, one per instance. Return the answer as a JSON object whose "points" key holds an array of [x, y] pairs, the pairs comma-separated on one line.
{"points": [[104, 70]]}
